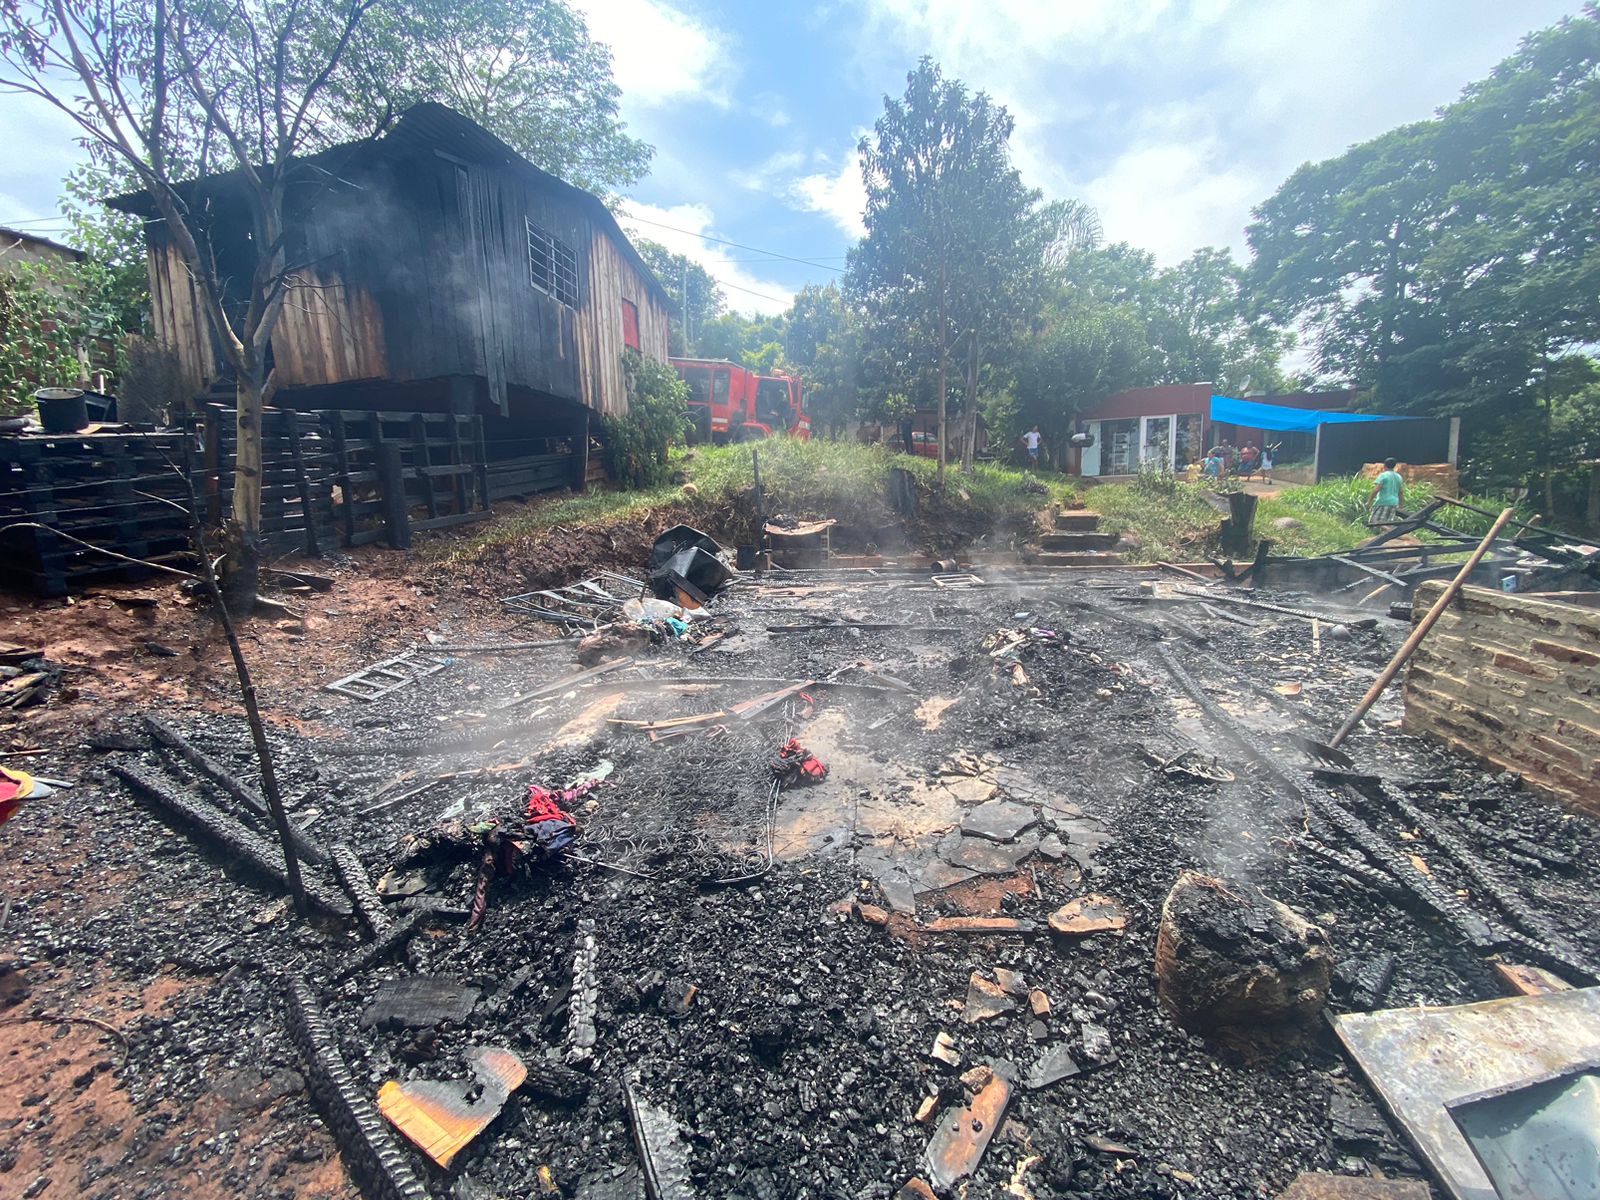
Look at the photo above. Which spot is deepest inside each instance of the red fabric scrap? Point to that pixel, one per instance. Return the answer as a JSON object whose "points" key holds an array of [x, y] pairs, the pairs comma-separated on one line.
{"points": [[796, 764], [545, 805]]}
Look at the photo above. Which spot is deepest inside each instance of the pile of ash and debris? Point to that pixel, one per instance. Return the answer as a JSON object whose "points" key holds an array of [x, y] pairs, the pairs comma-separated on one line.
{"points": [[841, 884]]}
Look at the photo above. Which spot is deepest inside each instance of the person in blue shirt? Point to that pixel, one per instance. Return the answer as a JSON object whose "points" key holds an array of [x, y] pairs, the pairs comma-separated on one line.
{"points": [[1387, 493]]}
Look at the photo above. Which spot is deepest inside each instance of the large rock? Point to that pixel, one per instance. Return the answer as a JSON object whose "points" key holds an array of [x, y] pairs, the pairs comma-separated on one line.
{"points": [[1230, 958]]}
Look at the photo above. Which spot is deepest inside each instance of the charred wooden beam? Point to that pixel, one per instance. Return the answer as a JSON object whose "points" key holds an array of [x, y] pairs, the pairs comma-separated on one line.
{"points": [[1551, 943], [353, 877], [393, 937], [375, 1159], [1472, 927], [170, 739], [198, 814]]}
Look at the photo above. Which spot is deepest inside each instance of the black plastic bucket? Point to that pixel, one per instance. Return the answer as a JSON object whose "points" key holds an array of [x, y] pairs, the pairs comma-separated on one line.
{"points": [[61, 410]]}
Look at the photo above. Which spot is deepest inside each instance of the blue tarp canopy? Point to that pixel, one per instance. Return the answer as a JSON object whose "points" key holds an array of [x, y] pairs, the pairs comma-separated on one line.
{"points": [[1250, 415]]}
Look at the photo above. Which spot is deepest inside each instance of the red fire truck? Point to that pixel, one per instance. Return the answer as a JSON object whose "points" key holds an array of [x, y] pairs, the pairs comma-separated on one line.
{"points": [[730, 404]]}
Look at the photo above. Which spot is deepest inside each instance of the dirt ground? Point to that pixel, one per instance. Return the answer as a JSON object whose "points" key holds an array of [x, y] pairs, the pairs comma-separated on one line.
{"points": [[144, 1047]]}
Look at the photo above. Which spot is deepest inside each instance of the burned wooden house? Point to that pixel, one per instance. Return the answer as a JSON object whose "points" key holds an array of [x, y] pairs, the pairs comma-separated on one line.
{"points": [[437, 272]]}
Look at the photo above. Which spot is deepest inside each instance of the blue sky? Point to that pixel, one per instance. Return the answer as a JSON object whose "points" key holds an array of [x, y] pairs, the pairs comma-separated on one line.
{"points": [[1171, 118]]}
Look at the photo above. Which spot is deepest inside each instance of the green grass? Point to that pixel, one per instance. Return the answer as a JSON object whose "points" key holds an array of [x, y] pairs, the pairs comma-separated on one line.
{"points": [[1334, 515], [806, 480], [1173, 523], [1168, 518]]}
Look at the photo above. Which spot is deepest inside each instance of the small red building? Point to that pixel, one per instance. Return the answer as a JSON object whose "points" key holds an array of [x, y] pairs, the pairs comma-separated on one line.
{"points": [[1169, 426]]}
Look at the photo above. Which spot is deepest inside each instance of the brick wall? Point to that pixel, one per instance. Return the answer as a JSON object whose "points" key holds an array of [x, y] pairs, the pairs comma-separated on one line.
{"points": [[1513, 681]]}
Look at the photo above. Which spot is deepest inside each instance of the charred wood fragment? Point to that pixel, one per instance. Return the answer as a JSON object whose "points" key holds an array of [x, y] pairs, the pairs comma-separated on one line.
{"points": [[1372, 983], [353, 877], [169, 739], [374, 1157], [198, 814], [392, 937], [1554, 946], [552, 1080], [659, 1141]]}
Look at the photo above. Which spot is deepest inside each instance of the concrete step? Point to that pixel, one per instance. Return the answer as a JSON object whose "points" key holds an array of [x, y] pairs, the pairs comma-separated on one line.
{"points": [[1078, 521], [1087, 558], [1073, 541]]}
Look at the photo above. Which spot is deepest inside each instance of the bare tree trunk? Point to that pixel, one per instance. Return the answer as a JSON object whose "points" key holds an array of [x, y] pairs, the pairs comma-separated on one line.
{"points": [[944, 359], [969, 441], [242, 536], [1548, 451]]}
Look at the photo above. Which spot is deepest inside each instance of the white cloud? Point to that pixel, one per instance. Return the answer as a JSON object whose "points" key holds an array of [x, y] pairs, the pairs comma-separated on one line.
{"points": [[683, 229], [1139, 202], [41, 149], [839, 195], [660, 53], [1174, 118]]}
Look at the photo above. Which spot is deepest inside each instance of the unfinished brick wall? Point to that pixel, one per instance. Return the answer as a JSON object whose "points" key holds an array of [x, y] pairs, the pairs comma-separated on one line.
{"points": [[1513, 681]]}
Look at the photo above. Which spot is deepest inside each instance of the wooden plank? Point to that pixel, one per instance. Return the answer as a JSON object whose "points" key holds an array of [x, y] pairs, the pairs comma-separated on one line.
{"points": [[561, 685], [1530, 981]]}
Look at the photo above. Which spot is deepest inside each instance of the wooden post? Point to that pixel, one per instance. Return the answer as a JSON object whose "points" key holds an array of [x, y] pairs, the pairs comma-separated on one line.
{"points": [[580, 451], [481, 462], [1421, 631], [391, 476], [341, 449], [458, 479], [1238, 531], [211, 429]]}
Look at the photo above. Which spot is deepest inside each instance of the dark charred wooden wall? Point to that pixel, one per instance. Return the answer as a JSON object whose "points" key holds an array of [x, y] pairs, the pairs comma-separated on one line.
{"points": [[418, 271]]}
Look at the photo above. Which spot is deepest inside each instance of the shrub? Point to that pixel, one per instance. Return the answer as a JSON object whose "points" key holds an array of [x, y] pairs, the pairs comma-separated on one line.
{"points": [[658, 415]]}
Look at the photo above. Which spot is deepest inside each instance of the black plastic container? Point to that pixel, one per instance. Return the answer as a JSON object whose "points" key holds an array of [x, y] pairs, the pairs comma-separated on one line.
{"points": [[62, 410]]}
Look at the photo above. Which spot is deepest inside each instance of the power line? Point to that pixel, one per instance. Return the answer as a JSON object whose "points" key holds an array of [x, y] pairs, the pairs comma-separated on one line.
{"points": [[747, 291], [34, 221], [706, 237], [756, 260]]}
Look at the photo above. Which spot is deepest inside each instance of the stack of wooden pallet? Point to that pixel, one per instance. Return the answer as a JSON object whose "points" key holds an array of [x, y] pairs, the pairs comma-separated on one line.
{"points": [[388, 463], [1443, 478], [63, 495], [297, 468]]}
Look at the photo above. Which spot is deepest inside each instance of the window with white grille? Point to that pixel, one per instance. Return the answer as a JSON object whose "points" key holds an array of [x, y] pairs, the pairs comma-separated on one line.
{"points": [[552, 266]]}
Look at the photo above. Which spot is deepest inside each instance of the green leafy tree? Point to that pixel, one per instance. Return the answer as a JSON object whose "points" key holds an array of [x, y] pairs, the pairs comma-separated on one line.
{"points": [[116, 275], [682, 276], [1453, 266], [824, 345], [44, 330], [765, 359], [743, 339], [526, 70], [954, 239], [1086, 350], [1199, 328], [1339, 250]]}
